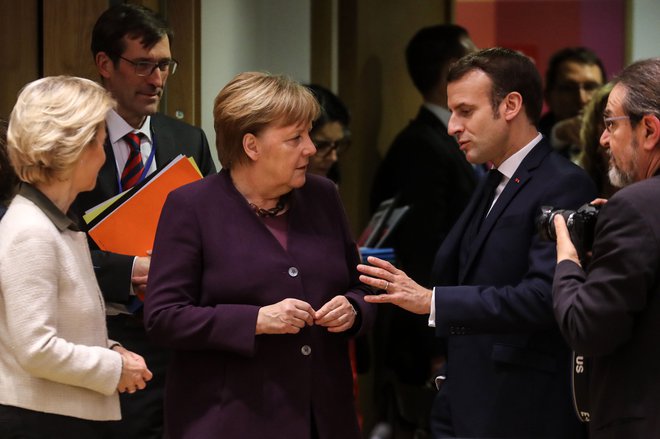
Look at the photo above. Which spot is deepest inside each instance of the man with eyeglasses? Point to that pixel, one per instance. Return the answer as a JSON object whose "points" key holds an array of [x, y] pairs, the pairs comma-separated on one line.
{"points": [[573, 76], [609, 311], [131, 49]]}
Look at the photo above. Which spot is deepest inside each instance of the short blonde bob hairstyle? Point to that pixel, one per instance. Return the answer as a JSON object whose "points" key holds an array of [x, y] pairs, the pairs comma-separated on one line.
{"points": [[252, 101], [53, 120]]}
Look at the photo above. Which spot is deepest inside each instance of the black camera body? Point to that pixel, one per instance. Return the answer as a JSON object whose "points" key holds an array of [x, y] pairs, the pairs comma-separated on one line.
{"points": [[581, 224]]}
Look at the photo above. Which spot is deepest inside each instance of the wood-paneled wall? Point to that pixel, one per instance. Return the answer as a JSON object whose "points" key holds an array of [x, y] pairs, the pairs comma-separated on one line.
{"points": [[19, 48], [52, 37]]}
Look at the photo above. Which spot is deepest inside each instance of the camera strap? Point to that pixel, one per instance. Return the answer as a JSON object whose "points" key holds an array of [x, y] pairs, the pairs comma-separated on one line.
{"points": [[580, 384]]}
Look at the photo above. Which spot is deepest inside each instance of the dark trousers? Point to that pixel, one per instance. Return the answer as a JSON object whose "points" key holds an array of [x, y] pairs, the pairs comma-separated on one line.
{"points": [[142, 411], [19, 423]]}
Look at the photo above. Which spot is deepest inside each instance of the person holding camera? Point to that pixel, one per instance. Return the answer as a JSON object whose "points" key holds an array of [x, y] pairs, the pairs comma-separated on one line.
{"points": [[609, 311], [507, 369]]}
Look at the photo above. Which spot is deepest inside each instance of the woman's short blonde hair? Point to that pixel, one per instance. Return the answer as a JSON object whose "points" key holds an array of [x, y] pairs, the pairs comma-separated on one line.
{"points": [[53, 120], [252, 101]]}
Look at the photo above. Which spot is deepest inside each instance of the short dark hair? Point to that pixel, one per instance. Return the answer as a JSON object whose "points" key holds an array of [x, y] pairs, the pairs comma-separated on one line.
{"points": [[429, 51], [580, 55], [127, 19], [509, 71], [332, 108], [642, 83]]}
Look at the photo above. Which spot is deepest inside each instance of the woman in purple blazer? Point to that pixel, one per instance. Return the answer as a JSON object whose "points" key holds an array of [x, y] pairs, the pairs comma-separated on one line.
{"points": [[253, 280]]}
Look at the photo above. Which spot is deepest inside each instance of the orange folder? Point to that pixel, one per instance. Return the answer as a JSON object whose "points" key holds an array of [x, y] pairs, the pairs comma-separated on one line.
{"points": [[130, 228]]}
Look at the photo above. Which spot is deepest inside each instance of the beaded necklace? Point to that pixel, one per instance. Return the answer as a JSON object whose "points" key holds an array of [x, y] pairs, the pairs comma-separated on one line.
{"points": [[273, 211]]}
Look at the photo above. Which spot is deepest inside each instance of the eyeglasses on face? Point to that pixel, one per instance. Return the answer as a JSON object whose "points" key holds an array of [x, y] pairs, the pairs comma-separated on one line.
{"points": [[325, 147], [609, 121], [146, 68]]}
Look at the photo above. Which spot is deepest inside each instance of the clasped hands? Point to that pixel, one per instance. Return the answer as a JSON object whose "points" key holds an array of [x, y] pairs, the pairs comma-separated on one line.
{"points": [[134, 371], [289, 316]]}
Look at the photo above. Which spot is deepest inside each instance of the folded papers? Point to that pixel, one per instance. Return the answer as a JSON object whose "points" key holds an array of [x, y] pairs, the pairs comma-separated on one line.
{"points": [[126, 224]]}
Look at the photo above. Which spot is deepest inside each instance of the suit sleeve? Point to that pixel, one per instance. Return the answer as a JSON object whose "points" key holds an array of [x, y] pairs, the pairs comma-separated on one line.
{"points": [[206, 165], [113, 271], [523, 306], [596, 312], [357, 290]]}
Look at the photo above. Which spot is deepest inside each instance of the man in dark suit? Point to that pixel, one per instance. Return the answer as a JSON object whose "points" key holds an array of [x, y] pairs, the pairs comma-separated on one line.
{"points": [[131, 48], [507, 369], [425, 169], [573, 76], [609, 311]]}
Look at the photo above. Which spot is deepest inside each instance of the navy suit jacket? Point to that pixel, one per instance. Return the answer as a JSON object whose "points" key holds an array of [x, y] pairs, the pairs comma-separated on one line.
{"points": [[173, 137], [612, 314], [214, 265], [508, 366]]}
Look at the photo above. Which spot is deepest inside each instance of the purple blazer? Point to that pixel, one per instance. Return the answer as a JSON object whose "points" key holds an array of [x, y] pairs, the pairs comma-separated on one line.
{"points": [[214, 265]]}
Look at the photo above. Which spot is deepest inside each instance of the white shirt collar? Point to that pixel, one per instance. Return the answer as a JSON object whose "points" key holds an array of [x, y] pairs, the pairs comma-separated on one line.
{"points": [[509, 166], [118, 127]]}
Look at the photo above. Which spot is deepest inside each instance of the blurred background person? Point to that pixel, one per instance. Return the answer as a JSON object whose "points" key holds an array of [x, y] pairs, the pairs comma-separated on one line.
{"points": [[330, 133], [593, 157], [60, 373], [573, 76], [253, 281], [7, 175], [425, 169]]}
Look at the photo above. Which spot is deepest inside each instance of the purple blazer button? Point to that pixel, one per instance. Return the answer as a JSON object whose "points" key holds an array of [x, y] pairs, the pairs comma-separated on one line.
{"points": [[306, 350], [293, 271]]}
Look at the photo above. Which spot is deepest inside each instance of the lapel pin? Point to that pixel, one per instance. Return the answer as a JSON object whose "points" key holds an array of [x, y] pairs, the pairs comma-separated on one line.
{"points": [[517, 180]]}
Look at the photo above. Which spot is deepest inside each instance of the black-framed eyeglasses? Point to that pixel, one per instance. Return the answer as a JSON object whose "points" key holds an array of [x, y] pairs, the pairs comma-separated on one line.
{"points": [[609, 121], [325, 147], [146, 68]]}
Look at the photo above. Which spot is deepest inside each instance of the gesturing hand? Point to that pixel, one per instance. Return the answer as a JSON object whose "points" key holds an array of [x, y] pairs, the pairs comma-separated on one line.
{"points": [[134, 372], [288, 316], [401, 290], [338, 315]]}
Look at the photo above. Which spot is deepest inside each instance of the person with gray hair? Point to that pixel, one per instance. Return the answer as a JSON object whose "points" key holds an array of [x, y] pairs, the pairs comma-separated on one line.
{"points": [[609, 310], [60, 372]]}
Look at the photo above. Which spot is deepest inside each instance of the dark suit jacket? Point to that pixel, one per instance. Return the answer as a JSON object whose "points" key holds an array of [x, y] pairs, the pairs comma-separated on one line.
{"points": [[215, 264], [425, 167], [508, 367], [613, 314], [113, 271]]}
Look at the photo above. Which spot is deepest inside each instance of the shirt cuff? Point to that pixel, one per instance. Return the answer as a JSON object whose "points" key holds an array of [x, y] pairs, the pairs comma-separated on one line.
{"points": [[131, 291], [432, 311]]}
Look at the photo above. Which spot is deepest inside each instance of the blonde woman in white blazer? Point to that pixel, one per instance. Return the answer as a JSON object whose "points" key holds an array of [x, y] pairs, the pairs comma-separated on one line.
{"points": [[59, 373]]}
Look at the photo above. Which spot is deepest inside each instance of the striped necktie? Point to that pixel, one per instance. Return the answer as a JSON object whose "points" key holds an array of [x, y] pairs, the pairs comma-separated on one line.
{"points": [[134, 168]]}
